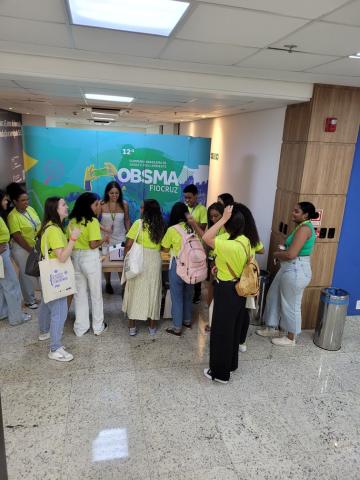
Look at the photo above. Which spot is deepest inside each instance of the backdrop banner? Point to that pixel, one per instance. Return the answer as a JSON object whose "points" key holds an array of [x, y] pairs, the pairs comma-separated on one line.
{"points": [[66, 162]]}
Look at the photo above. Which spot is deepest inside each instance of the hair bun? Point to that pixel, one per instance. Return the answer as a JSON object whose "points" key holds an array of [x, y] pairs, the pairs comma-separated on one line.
{"points": [[314, 216]]}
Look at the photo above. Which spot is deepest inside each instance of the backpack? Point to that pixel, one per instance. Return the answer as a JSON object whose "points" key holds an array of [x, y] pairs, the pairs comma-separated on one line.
{"points": [[191, 263], [248, 284]]}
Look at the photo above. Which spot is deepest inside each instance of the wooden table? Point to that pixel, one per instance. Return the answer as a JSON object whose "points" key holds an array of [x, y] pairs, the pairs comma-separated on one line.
{"points": [[118, 265]]}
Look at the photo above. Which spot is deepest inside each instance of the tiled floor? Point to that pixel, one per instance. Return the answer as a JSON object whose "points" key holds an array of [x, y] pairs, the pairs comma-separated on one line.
{"points": [[139, 408]]}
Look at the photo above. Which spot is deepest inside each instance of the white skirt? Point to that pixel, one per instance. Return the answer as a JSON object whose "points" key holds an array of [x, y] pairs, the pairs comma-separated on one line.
{"points": [[142, 297]]}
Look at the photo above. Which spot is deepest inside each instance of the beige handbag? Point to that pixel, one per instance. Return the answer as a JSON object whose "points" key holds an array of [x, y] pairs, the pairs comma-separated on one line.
{"points": [[57, 278], [248, 285]]}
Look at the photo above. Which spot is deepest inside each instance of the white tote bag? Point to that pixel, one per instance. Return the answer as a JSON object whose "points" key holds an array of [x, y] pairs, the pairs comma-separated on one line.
{"points": [[57, 278], [134, 260], [2, 272]]}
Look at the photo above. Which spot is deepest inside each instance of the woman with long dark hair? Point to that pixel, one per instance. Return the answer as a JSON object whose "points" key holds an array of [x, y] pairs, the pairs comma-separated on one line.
{"points": [[181, 292], [52, 315], [23, 223], [115, 220], [226, 199], [87, 264], [142, 298], [229, 309], [283, 301], [10, 293]]}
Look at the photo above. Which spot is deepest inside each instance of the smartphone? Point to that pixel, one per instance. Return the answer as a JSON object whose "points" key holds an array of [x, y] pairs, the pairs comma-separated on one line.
{"points": [[101, 172]]}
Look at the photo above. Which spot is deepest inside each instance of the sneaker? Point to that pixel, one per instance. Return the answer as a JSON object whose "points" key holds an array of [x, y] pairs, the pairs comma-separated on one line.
{"points": [[207, 373], [61, 355], [26, 317], [33, 306], [109, 289], [187, 325], [44, 336], [283, 342], [101, 332], [172, 331], [152, 331], [132, 331], [268, 332], [242, 347]]}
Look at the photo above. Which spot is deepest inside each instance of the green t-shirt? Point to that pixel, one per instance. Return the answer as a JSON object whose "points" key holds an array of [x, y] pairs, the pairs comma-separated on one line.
{"points": [[199, 213], [231, 252], [27, 223], [54, 237], [143, 238], [89, 232], [173, 240], [4, 232], [308, 246]]}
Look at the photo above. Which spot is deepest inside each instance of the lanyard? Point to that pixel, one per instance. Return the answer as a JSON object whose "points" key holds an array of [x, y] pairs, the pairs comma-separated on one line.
{"points": [[29, 217]]}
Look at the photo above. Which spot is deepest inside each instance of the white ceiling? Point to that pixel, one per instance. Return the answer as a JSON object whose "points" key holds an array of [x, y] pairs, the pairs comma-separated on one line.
{"points": [[216, 62]]}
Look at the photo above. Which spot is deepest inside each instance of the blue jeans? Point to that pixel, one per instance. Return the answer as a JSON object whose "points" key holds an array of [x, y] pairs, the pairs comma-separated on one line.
{"points": [[283, 301], [10, 293], [181, 298], [52, 318]]}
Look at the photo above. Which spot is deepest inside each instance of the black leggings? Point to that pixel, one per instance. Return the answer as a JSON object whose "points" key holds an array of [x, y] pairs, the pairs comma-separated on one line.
{"points": [[229, 317]]}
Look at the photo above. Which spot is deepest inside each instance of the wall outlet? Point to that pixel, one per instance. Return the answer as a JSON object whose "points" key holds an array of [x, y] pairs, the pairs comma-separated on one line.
{"points": [[358, 305]]}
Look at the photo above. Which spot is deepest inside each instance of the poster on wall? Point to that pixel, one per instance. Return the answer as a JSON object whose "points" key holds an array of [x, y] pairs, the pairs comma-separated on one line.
{"points": [[11, 159], [66, 162]]}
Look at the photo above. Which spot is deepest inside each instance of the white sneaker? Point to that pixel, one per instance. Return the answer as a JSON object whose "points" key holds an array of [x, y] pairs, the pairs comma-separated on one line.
{"points": [[208, 374], [61, 355], [283, 342], [33, 306], [44, 336], [242, 347], [268, 332], [152, 331], [102, 331], [132, 331]]}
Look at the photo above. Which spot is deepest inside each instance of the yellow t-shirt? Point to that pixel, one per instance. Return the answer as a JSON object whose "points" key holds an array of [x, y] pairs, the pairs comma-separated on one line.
{"points": [[259, 246], [211, 253], [4, 232], [54, 237], [231, 252], [27, 223], [89, 232], [199, 213], [143, 238], [173, 240]]}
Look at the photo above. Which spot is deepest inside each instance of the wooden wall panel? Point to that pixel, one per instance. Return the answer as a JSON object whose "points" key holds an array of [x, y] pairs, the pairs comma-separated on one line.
{"points": [[310, 307], [322, 264], [297, 122], [327, 168], [333, 211], [284, 204], [335, 101], [275, 240], [292, 161]]}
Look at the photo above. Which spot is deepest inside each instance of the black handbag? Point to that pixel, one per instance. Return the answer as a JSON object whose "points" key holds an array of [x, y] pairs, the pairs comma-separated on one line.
{"points": [[32, 262]]}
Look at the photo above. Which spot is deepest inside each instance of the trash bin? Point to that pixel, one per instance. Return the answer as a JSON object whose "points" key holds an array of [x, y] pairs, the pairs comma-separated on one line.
{"points": [[257, 313], [331, 318]]}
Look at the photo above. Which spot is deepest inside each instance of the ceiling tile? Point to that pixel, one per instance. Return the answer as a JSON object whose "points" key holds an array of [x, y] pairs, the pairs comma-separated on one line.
{"points": [[326, 38], [349, 15], [30, 31], [112, 41], [276, 59], [48, 10], [304, 8], [345, 66], [236, 26], [215, 53]]}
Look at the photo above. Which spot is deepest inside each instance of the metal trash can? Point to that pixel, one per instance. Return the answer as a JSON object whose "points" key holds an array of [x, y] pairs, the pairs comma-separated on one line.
{"points": [[331, 318], [257, 313]]}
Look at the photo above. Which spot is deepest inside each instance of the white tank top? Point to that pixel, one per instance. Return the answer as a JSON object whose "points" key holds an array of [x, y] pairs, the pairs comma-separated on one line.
{"points": [[115, 221]]}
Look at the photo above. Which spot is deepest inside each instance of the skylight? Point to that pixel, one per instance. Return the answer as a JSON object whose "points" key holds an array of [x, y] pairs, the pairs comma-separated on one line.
{"points": [[157, 17], [108, 98]]}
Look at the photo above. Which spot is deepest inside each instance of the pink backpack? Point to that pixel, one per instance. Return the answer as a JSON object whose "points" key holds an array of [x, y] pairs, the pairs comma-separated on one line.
{"points": [[191, 261]]}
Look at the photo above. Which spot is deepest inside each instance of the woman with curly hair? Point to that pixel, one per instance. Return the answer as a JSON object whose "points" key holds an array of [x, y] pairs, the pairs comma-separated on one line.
{"points": [[87, 265], [142, 298]]}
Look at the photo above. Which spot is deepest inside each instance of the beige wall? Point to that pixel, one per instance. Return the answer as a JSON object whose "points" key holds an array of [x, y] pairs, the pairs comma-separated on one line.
{"points": [[249, 147]]}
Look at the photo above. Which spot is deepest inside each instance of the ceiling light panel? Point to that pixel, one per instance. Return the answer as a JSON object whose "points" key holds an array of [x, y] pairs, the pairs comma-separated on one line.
{"points": [[108, 98], [157, 17]]}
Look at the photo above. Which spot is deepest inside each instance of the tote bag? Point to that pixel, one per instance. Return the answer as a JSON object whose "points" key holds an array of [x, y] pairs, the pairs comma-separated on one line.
{"points": [[57, 278], [134, 259]]}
